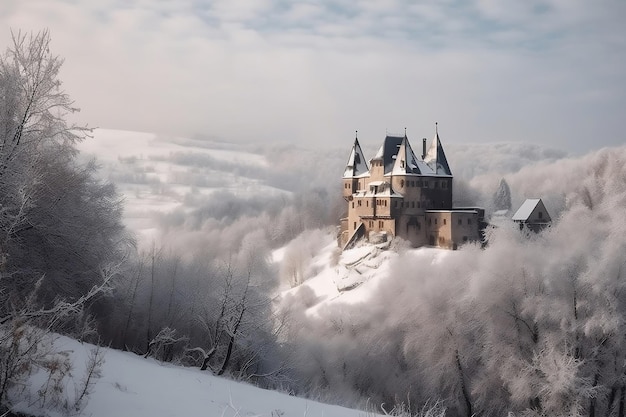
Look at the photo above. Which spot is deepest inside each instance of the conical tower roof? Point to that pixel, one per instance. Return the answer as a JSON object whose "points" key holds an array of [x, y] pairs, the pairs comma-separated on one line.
{"points": [[357, 165], [436, 157], [407, 163]]}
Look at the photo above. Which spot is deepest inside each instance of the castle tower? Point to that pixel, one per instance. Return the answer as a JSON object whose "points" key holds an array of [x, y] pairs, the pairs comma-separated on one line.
{"points": [[355, 168], [436, 157]]}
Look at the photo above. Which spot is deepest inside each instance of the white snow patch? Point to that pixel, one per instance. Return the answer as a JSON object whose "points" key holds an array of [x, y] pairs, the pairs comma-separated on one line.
{"points": [[358, 273], [132, 386]]}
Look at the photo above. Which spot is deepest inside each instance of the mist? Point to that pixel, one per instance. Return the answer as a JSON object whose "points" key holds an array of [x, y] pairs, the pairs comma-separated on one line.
{"points": [[529, 323]]}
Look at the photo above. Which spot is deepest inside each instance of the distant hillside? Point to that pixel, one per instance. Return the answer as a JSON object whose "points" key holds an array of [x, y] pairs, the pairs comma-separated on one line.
{"points": [[159, 174]]}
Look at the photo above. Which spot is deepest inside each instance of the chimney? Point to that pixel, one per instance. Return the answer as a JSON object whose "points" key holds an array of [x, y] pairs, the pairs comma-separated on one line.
{"points": [[423, 149]]}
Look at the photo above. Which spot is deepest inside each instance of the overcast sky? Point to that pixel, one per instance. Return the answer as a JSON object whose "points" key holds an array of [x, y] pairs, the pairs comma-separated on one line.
{"points": [[550, 72]]}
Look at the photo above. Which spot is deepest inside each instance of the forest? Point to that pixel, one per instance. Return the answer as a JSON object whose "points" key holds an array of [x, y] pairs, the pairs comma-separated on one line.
{"points": [[530, 324]]}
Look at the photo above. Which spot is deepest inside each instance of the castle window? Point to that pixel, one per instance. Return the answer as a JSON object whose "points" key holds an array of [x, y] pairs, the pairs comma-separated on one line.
{"points": [[401, 183], [412, 183], [412, 204], [460, 222], [469, 221], [395, 203], [420, 183], [381, 224], [540, 214], [436, 184], [419, 204], [354, 225], [353, 204], [444, 184], [435, 221], [367, 203], [464, 238], [402, 163], [445, 221], [425, 184], [385, 203], [359, 204], [430, 222]]}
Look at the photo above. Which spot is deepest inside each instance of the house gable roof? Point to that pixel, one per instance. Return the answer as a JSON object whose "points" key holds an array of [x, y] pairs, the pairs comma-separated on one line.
{"points": [[530, 209]]}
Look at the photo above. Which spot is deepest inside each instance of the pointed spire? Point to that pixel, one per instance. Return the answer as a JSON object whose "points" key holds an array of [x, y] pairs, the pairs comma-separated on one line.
{"points": [[357, 164], [407, 163], [436, 157]]}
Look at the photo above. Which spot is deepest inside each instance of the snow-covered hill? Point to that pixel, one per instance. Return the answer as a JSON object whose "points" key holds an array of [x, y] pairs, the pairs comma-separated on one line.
{"points": [[327, 276], [132, 386]]}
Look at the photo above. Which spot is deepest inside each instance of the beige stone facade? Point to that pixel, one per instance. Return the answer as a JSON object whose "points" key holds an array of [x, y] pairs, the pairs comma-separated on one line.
{"points": [[402, 195]]}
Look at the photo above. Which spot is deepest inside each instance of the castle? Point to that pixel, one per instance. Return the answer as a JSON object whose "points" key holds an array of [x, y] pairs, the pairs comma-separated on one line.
{"points": [[402, 195]]}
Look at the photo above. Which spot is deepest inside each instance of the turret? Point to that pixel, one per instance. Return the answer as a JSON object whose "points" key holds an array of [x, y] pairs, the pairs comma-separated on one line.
{"points": [[355, 168], [436, 157]]}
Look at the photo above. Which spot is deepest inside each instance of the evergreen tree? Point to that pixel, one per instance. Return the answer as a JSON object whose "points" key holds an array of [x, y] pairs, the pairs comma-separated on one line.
{"points": [[502, 197]]}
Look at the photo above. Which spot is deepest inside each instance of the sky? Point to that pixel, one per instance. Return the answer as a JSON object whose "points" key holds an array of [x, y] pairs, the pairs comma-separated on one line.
{"points": [[310, 73]]}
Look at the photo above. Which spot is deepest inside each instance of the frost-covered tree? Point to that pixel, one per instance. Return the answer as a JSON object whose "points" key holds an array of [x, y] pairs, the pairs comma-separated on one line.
{"points": [[61, 239], [502, 197], [56, 219]]}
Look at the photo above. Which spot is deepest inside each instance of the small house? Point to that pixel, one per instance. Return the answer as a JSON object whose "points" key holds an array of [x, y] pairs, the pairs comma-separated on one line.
{"points": [[532, 215]]}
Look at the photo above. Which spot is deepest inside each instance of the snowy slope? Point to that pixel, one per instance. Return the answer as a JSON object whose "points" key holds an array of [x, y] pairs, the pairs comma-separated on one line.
{"points": [[132, 386], [351, 276]]}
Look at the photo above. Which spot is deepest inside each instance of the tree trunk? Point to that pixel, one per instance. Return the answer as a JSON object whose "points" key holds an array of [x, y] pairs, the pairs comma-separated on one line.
{"points": [[231, 342], [149, 333], [621, 402], [592, 402], [466, 397]]}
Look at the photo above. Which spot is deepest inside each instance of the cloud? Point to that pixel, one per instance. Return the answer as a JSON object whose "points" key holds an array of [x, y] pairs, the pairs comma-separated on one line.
{"points": [[313, 72]]}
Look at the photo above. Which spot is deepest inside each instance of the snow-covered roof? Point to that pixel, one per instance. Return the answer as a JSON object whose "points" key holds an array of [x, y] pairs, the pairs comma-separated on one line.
{"points": [[357, 165], [407, 163], [465, 211], [388, 192], [526, 209], [436, 157], [398, 158]]}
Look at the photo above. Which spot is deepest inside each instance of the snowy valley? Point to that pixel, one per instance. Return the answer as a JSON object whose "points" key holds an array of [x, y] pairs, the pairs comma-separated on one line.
{"points": [[237, 267]]}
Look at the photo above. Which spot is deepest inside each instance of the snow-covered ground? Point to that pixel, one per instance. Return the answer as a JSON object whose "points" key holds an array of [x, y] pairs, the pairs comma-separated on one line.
{"points": [[351, 276], [132, 386]]}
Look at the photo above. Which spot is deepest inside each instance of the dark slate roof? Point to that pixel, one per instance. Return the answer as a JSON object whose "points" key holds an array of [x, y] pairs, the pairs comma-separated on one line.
{"points": [[388, 150]]}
